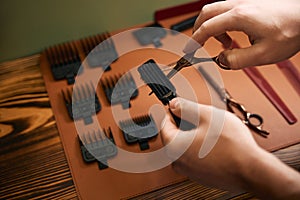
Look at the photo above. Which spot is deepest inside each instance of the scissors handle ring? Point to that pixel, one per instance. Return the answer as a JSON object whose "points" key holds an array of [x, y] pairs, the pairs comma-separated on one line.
{"points": [[258, 118], [257, 127], [222, 66]]}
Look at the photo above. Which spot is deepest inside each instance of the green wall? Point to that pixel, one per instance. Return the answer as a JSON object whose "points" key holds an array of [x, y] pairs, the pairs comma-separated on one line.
{"points": [[29, 26]]}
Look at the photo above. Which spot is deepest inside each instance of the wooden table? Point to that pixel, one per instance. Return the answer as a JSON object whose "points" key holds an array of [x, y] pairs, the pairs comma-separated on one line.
{"points": [[32, 160]]}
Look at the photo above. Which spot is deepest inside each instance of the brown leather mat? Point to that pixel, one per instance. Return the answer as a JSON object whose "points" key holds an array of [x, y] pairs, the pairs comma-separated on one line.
{"points": [[92, 183]]}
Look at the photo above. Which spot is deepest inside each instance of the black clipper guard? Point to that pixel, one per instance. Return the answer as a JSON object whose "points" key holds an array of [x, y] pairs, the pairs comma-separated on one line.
{"points": [[139, 130], [151, 34], [162, 87], [100, 51], [84, 102], [98, 146], [64, 62], [119, 89]]}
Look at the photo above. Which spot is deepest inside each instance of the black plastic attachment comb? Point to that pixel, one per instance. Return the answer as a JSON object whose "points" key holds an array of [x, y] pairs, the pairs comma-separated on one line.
{"points": [[162, 87], [151, 34], [157, 81], [98, 146], [64, 61], [120, 89], [84, 102], [100, 50], [139, 130]]}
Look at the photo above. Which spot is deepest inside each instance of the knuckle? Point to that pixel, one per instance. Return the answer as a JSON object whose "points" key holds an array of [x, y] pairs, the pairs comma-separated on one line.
{"points": [[204, 29], [240, 12], [205, 9], [204, 26]]}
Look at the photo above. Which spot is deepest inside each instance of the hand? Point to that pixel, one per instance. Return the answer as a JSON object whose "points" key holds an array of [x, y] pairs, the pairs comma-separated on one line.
{"points": [[234, 163], [273, 28], [220, 168]]}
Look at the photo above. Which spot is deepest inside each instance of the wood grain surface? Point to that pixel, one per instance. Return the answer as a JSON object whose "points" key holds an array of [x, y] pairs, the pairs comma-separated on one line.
{"points": [[32, 160]]}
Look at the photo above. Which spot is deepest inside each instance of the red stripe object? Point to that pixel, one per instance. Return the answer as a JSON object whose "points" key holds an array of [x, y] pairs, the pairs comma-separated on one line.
{"points": [[291, 73], [268, 91], [181, 9]]}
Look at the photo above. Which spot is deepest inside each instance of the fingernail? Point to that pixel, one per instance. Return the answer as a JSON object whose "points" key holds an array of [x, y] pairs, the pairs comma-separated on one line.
{"points": [[191, 46], [174, 103], [223, 62]]}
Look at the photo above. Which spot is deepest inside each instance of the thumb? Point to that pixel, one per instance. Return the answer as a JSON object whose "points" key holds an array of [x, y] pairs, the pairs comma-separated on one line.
{"points": [[169, 130], [175, 141], [239, 58], [186, 109]]}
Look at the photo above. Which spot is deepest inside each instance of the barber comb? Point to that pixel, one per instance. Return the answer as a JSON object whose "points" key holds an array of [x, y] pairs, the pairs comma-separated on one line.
{"points": [[162, 87], [119, 89], [100, 50], [98, 146], [139, 130], [64, 61], [84, 102]]}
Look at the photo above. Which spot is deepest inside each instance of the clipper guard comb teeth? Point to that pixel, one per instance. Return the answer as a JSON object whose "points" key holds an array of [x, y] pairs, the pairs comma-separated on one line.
{"points": [[139, 130], [64, 61], [152, 75], [164, 90], [120, 89], [100, 50], [84, 102], [98, 146]]}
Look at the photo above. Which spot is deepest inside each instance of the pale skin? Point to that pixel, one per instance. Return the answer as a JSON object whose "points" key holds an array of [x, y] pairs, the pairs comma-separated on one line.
{"points": [[236, 162], [273, 28]]}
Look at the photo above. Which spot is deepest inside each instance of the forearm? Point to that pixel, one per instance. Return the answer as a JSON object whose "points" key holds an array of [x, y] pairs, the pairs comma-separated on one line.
{"points": [[266, 176]]}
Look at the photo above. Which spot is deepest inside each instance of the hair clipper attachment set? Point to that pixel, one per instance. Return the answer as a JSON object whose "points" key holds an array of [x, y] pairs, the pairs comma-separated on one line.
{"points": [[82, 102], [98, 146], [120, 89], [64, 61], [139, 130]]}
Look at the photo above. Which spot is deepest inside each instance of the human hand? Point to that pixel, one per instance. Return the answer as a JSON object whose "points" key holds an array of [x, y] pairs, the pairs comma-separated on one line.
{"points": [[272, 26], [234, 143], [235, 162]]}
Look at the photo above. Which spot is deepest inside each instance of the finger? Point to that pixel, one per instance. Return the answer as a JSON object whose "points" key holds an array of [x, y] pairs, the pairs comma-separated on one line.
{"points": [[178, 105], [185, 109], [243, 57], [214, 27], [169, 130], [225, 39], [210, 11], [176, 142]]}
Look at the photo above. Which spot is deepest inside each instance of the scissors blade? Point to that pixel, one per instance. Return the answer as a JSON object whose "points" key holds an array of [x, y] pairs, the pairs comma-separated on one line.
{"points": [[220, 90], [181, 63], [173, 71], [184, 61]]}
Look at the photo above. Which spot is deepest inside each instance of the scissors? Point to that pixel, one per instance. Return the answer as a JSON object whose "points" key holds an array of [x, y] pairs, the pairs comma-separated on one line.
{"points": [[189, 59], [252, 120]]}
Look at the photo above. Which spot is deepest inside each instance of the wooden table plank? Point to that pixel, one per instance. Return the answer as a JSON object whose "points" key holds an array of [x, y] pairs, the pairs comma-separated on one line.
{"points": [[32, 161]]}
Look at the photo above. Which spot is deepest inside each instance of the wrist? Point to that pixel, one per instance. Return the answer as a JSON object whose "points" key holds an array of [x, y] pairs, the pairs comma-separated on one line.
{"points": [[267, 177]]}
